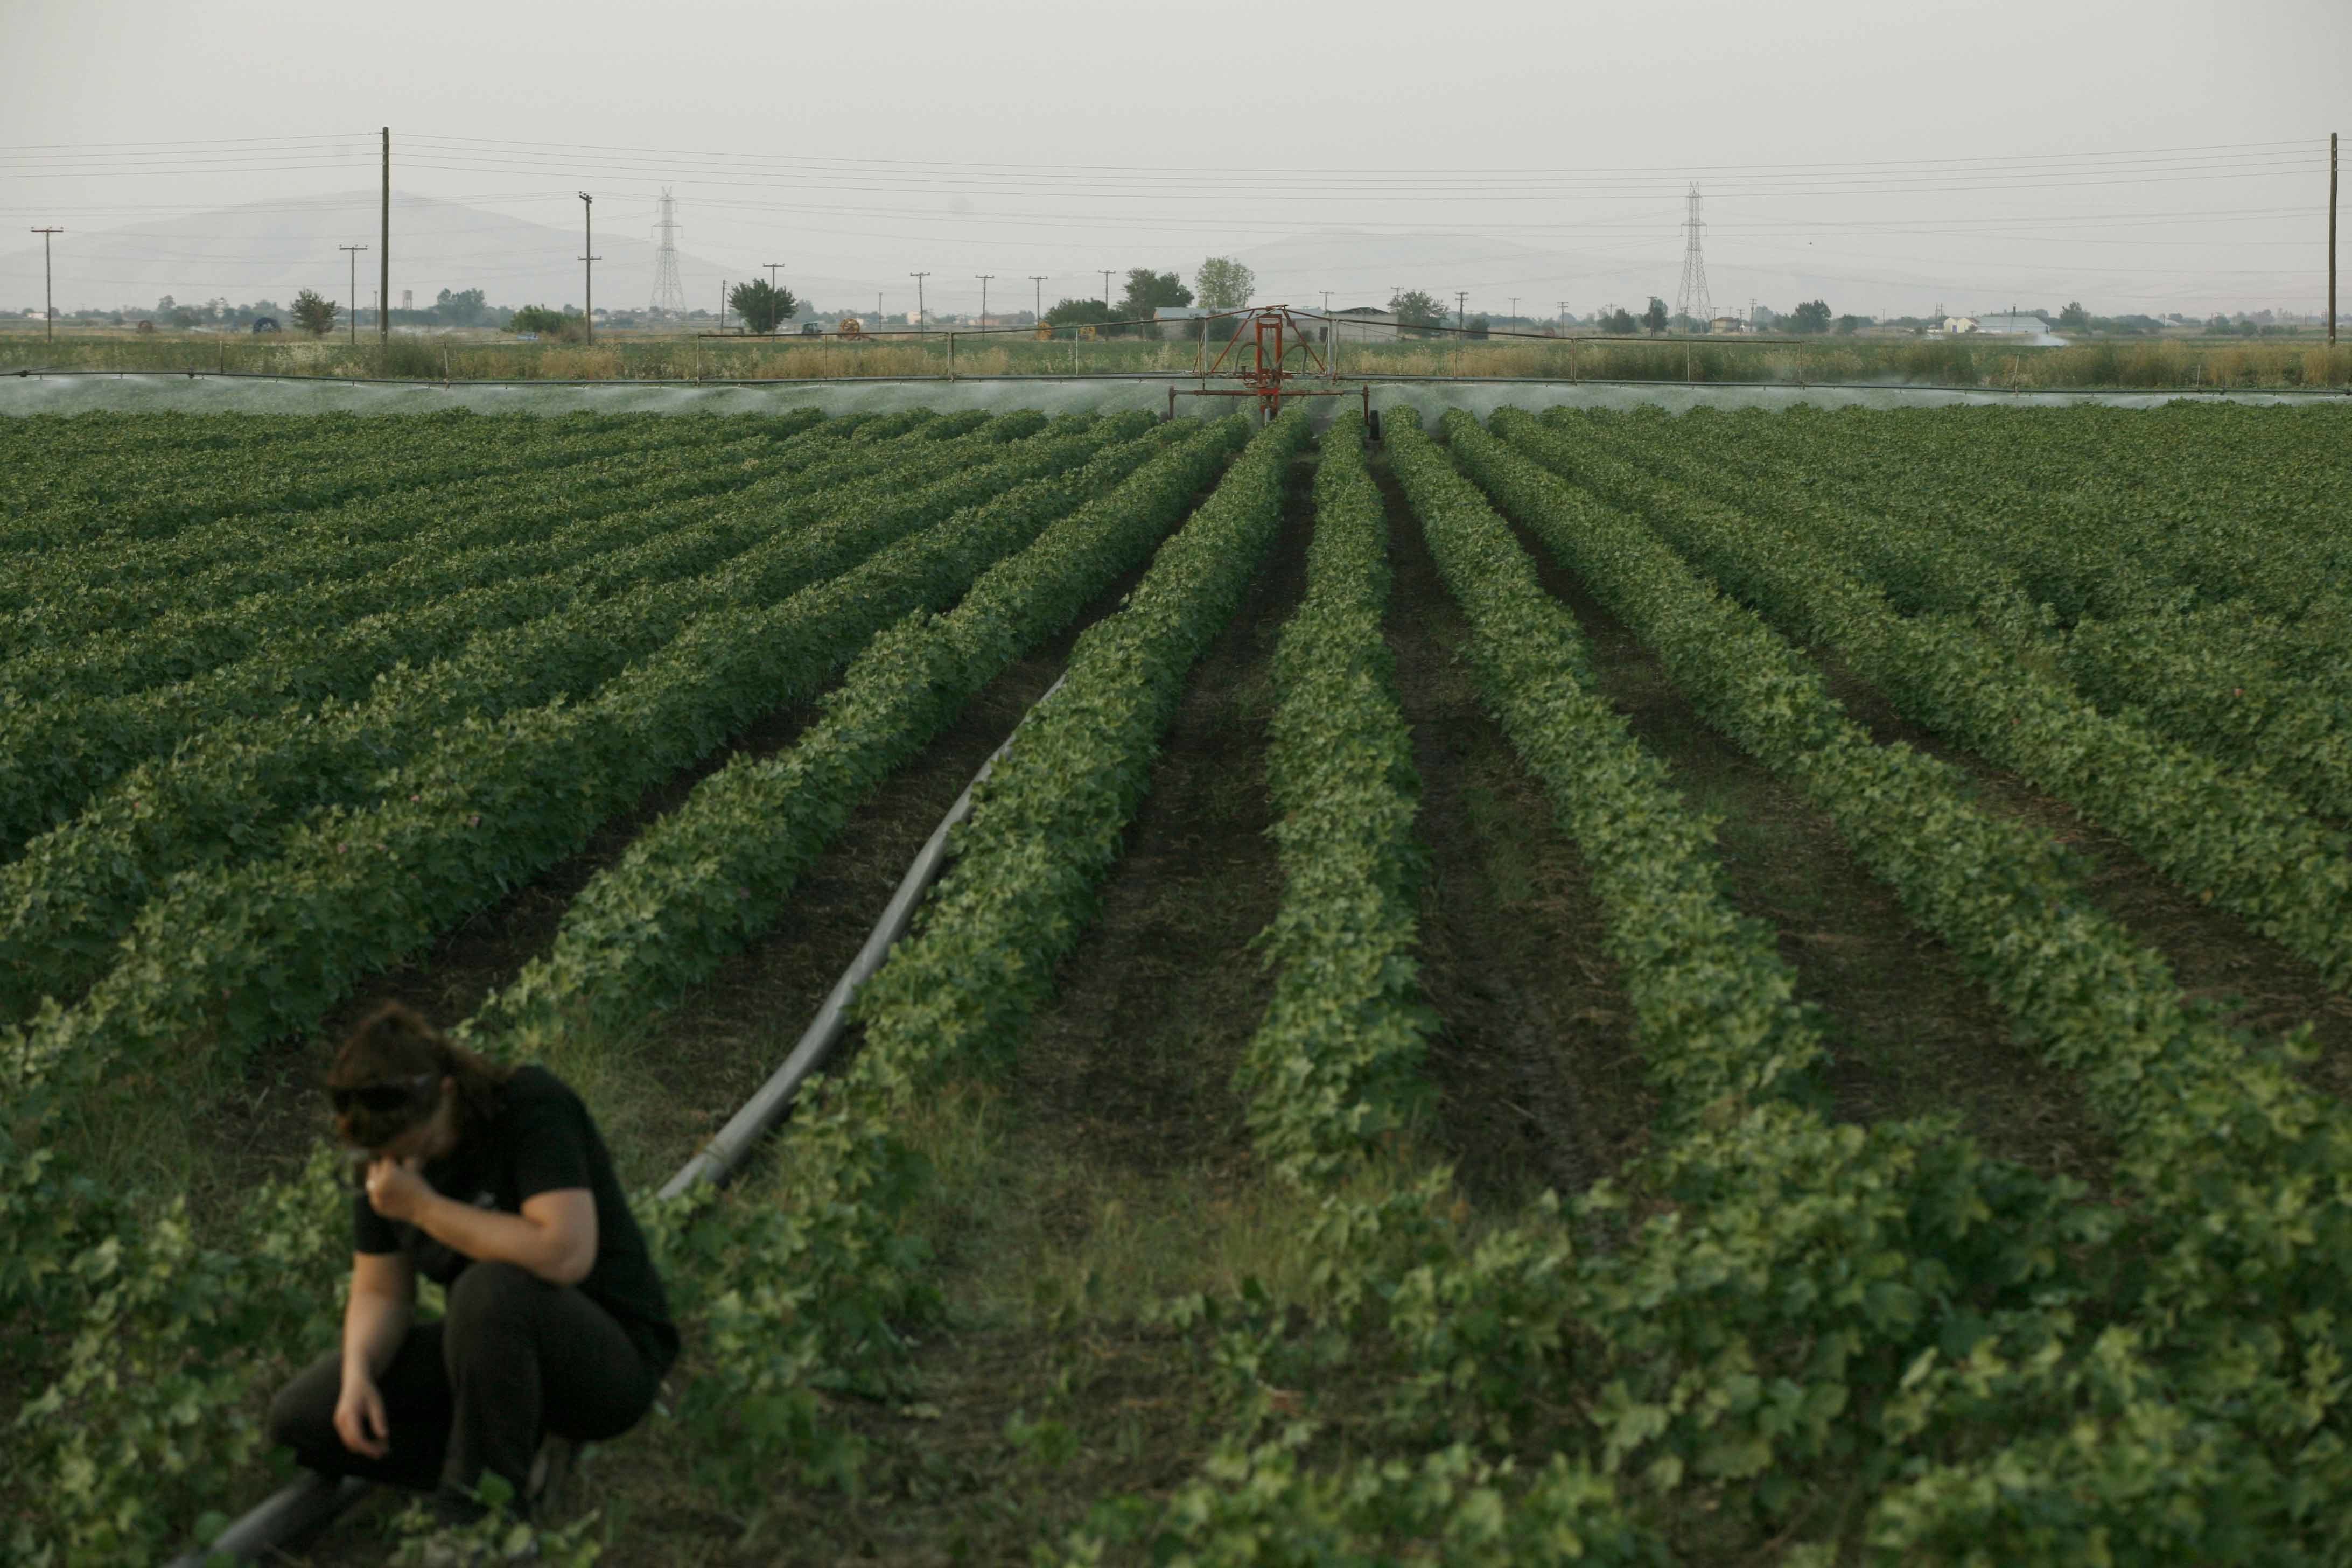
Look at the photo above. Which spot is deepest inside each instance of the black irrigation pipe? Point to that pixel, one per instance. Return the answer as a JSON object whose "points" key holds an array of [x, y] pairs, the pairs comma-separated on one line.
{"points": [[311, 1499], [1397, 377]]}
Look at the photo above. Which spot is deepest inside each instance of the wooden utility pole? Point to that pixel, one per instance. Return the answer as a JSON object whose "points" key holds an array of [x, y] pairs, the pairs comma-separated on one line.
{"points": [[50, 303], [2331, 239], [588, 287], [983, 278], [1107, 272], [920, 318], [384, 252], [355, 251], [1039, 280]]}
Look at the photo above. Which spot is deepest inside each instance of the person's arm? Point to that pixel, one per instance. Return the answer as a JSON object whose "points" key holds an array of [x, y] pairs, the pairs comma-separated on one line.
{"points": [[376, 1320], [554, 1236]]}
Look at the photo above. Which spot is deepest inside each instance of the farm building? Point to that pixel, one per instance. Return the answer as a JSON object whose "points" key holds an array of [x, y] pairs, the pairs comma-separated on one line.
{"points": [[2013, 324], [1364, 324], [1726, 325]]}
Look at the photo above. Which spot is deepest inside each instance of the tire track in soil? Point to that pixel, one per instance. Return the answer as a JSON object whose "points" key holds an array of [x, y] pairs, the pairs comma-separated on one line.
{"points": [[1537, 1080], [1908, 1032], [2213, 953]]}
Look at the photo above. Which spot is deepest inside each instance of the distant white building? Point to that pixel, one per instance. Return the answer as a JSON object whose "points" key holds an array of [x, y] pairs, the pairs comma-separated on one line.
{"points": [[1958, 326], [2012, 324], [1361, 324], [1724, 324]]}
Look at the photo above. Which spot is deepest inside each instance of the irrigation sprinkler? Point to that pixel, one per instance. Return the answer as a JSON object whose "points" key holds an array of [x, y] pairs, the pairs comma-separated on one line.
{"points": [[1263, 368]]}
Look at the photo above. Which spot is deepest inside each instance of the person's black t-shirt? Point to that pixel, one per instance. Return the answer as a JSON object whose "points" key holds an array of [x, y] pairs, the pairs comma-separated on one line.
{"points": [[541, 1139]]}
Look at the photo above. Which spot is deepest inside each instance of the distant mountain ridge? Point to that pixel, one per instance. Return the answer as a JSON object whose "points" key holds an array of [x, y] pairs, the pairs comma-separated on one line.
{"points": [[273, 250]]}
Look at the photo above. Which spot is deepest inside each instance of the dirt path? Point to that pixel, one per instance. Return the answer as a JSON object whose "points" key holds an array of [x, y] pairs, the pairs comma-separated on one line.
{"points": [[2267, 990], [1908, 1033], [1537, 1080]]}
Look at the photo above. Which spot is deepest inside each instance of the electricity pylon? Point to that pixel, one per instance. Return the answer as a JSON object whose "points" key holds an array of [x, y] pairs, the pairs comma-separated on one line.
{"points": [[1691, 301]]}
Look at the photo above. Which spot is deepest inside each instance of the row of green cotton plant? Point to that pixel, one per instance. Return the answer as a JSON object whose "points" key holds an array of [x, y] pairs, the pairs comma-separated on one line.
{"points": [[70, 589], [235, 791], [2247, 686], [233, 955], [65, 747], [1333, 1066], [153, 614], [143, 478], [2217, 1416], [2238, 842], [788, 1301], [695, 886]]}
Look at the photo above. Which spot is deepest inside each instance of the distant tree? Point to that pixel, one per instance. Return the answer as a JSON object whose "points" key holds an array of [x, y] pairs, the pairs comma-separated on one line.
{"points": [[1850, 324], [760, 304], [1078, 313], [313, 314], [185, 318], [462, 308], [1619, 323], [2075, 318], [1478, 327], [163, 306], [537, 318], [1222, 284], [1146, 292], [1813, 316], [1655, 318], [1416, 308]]}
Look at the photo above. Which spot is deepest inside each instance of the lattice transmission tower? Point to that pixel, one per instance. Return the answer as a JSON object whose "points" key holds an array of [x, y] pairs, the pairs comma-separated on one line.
{"points": [[669, 294], [1692, 300]]}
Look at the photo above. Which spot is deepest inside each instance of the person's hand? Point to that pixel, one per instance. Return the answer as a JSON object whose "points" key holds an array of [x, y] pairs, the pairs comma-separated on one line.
{"points": [[394, 1189], [359, 1420]]}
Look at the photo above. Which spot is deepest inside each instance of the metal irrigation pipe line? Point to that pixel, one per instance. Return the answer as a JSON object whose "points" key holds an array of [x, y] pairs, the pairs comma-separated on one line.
{"points": [[1398, 377], [312, 1500]]}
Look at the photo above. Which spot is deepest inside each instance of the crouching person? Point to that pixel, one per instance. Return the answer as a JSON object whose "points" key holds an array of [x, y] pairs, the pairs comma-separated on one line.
{"points": [[495, 1182]]}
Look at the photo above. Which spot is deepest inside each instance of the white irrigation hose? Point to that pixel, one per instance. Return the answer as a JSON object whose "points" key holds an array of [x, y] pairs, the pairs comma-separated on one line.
{"points": [[311, 1499], [718, 1159]]}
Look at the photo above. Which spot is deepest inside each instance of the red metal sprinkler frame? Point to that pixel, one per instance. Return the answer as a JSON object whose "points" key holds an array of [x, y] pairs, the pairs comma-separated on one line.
{"points": [[1263, 372]]}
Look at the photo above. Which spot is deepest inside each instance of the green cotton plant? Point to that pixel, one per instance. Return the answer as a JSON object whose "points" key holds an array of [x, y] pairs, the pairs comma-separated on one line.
{"points": [[492, 801], [1333, 1066], [88, 745], [200, 578], [1265, 1506], [124, 482], [154, 1416], [2236, 1177], [1721, 1027], [2234, 841], [240, 788], [1046, 823], [491, 806], [715, 872], [1805, 1264], [2248, 688], [795, 1292], [803, 1293]]}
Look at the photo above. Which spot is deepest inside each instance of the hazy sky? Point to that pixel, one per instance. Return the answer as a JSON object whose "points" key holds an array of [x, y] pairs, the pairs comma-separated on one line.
{"points": [[2144, 155]]}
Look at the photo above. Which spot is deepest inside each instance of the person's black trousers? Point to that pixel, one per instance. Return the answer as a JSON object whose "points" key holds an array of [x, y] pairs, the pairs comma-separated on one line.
{"points": [[514, 1357]]}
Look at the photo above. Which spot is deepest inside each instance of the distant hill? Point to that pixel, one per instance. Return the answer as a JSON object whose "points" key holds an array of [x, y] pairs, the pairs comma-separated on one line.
{"points": [[272, 250]]}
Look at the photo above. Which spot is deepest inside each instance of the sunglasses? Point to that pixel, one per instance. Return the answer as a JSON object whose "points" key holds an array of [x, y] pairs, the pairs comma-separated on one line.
{"points": [[383, 1098]]}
